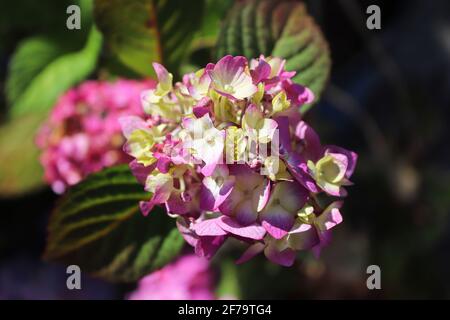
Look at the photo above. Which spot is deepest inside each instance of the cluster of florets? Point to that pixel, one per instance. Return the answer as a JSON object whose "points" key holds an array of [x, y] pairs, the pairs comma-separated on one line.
{"points": [[227, 153], [83, 134]]}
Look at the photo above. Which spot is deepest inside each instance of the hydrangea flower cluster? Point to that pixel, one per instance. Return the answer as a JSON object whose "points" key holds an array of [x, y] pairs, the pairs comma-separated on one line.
{"points": [[188, 278], [83, 135], [227, 153]]}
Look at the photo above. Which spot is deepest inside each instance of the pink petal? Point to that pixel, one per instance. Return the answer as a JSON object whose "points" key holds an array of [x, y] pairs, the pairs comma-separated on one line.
{"points": [[325, 239], [140, 171], [253, 231], [263, 197], [176, 205], [208, 246], [284, 134], [211, 196], [203, 107], [312, 148], [330, 217], [298, 94], [298, 168], [261, 72], [163, 163], [161, 72], [209, 168], [146, 207], [131, 123]]}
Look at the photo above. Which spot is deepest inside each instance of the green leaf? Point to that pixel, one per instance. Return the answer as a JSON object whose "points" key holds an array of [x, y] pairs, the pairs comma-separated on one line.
{"points": [[207, 35], [229, 285], [98, 226], [23, 69], [139, 32], [20, 170], [40, 71], [22, 17], [280, 28]]}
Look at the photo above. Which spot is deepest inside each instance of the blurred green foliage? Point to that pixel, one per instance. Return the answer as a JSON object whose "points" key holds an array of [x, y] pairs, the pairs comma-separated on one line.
{"points": [[98, 226], [282, 29]]}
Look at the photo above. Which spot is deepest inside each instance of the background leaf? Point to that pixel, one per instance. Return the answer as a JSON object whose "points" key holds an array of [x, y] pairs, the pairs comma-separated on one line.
{"points": [[20, 18], [40, 71], [139, 32], [228, 286], [201, 49], [20, 169], [98, 226], [30, 58], [280, 28]]}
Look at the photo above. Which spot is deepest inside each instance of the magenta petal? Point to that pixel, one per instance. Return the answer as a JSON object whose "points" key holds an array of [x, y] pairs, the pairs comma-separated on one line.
{"points": [[274, 231], [251, 251], [312, 147], [285, 139], [209, 227], [231, 65], [298, 94], [305, 97], [211, 199], [277, 221], [325, 239], [352, 158], [253, 231], [203, 107], [285, 258], [208, 246], [264, 197], [298, 168], [208, 169], [176, 205], [146, 207], [303, 237], [245, 213], [261, 72], [163, 163], [330, 217], [131, 123], [140, 171], [207, 200], [187, 233], [160, 71]]}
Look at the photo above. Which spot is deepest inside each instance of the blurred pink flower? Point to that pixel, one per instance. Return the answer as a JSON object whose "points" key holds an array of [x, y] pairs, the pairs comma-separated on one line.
{"points": [[188, 278], [83, 135]]}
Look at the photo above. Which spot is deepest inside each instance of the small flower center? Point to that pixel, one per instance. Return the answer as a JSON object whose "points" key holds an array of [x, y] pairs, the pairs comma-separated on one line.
{"points": [[228, 88]]}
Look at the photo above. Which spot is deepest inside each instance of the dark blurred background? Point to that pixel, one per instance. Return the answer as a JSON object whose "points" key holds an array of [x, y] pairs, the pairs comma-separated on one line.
{"points": [[388, 99]]}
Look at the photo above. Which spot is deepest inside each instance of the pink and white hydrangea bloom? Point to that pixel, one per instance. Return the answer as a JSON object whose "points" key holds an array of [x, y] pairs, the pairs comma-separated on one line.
{"points": [[83, 133], [231, 157]]}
